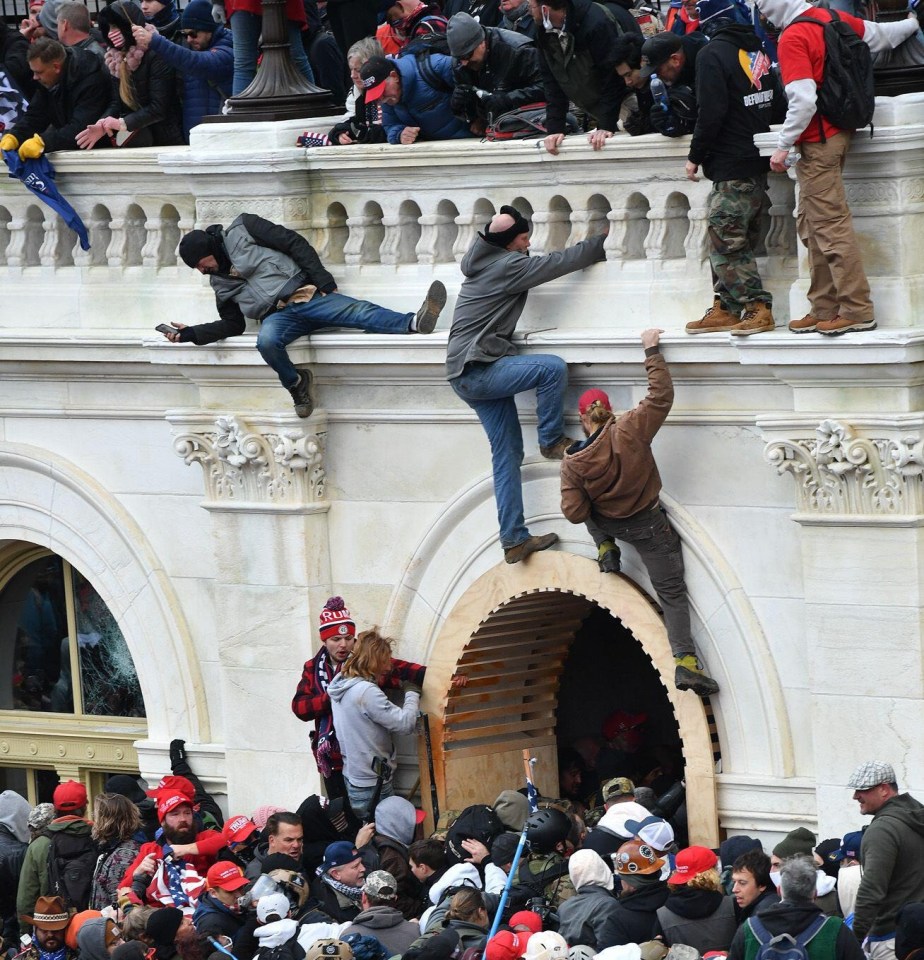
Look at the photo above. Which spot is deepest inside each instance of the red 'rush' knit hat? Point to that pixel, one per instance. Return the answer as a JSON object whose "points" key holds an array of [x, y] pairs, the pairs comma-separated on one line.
{"points": [[335, 620]]}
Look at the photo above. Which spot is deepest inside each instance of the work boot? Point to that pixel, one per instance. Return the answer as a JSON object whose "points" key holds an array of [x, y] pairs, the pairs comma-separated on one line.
{"points": [[757, 318], [608, 557], [430, 309], [841, 325], [689, 675], [715, 320], [530, 545], [807, 324], [301, 394], [557, 450]]}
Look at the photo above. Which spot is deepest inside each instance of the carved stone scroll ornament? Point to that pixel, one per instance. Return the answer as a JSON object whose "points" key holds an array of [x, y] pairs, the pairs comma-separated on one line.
{"points": [[243, 463], [839, 473]]}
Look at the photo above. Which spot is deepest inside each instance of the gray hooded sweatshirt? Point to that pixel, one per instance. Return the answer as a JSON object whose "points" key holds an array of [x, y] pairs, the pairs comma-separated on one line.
{"points": [[365, 720], [91, 940], [493, 295], [14, 815], [801, 95]]}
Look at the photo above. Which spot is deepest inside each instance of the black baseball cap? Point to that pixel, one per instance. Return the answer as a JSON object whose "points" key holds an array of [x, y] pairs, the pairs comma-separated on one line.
{"points": [[657, 50], [374, 73]]}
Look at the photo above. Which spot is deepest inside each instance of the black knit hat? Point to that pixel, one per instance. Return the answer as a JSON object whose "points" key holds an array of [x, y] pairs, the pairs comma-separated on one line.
{"points": [[163, 924]]}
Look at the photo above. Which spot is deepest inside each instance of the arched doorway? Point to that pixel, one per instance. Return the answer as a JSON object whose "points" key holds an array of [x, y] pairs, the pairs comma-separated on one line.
{"points": [[512, 639]]}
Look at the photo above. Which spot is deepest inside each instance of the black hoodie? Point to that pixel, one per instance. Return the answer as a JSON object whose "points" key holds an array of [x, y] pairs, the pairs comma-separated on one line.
{"points": [[738, 96]]}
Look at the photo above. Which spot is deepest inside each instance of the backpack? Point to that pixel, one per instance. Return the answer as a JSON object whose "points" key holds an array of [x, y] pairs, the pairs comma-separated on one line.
{"points": [[784, 946], [846, 97], [535, 883], [477, 822], [431, 41], [72, 863]]}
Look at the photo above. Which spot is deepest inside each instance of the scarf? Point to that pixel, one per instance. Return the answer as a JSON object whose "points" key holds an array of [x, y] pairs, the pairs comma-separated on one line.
{"points": [[354, 894], [324, 673], [131, 57], [45, 954]]}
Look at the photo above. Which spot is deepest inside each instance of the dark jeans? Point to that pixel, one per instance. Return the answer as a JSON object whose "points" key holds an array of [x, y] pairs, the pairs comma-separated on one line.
{"points": [[658, 545]]}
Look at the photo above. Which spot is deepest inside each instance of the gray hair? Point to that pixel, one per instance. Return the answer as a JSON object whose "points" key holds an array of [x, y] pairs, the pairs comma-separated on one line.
{"points": [[797, 879], [76, 14], [364, 50]]}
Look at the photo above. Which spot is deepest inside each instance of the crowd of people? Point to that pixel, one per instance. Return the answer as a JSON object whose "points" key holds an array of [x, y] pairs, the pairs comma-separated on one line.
{"points": [[161, 874]]}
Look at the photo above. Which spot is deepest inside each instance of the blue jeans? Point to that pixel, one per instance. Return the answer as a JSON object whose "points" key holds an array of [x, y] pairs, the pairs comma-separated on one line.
{"points": [[489, 389], [245, 34], [361, 797], [296, 320]]}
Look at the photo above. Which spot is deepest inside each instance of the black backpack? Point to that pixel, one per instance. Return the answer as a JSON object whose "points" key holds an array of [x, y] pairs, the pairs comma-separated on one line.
{"points": [[429, 41], [846, 97], [477, 822], [72, 860]]}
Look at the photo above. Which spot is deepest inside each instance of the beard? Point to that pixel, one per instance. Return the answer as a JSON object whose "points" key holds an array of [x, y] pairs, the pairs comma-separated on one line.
{"points": [[179, 834]]}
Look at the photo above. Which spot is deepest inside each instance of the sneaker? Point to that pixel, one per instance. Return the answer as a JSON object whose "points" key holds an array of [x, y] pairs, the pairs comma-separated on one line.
{"points": [[557, 450], [608, 557], [841, 325], [806, 325], [522, 550], [301, 394], [430, 309], [689, 675], [757, 318], [715, 320]]}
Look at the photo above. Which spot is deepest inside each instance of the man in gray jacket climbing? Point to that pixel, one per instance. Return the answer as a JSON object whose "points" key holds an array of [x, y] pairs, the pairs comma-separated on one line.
{"points": [[483, 367]]}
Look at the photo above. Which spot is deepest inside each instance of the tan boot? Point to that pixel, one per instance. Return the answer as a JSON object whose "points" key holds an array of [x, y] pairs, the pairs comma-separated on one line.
{"points": [[757, 318], [532, 544], [557, 450], [806, 324], [715, 320]]}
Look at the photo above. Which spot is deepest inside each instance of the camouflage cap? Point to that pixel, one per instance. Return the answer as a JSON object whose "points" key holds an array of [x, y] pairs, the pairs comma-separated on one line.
{"points": [[617, 787], [381, 885]]}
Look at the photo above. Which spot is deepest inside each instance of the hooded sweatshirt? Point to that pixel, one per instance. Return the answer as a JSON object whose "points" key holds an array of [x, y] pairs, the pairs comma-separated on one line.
{"points": [[891, 856], [493, 295], [14, 839], [512, 809], [388, 926], [14, 815], [793, 918], [91, 940], [395, 823], [365, 720], [801, 53], [613, 475]]}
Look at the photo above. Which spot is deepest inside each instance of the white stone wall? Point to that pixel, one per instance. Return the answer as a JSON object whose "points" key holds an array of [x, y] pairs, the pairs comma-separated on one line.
{"points": [[807, 609]]}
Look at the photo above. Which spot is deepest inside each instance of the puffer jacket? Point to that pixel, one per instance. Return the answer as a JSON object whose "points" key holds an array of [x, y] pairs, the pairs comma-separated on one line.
{"points": [[510, 72], [423, 105], [205, 74]]}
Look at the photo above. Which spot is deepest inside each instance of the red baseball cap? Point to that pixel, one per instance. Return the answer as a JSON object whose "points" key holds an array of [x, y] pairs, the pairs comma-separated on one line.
{"points": [[690, 863], [238, 829], [69, 795], [589, 397], [226, 875], [506, 945], [526, 918], [170, 785], [170, 802]]}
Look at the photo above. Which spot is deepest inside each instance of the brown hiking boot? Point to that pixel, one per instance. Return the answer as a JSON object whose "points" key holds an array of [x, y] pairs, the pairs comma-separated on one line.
{"points": [[757, 318], [557, 450], [429, 311], [715, 320], [522, 550], [806, 325], [840, 325]]}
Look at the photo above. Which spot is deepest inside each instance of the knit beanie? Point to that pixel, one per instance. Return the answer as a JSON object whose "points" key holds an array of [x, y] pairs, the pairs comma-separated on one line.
{"points": [[197, 15], [163, 924], [799, 842], [512, 809], [335, 619], [586, 867], [48, 18], [463, 34], [504, 849]]}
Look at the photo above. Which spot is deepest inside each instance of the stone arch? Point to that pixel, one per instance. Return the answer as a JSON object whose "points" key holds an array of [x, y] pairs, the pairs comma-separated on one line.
{"points": [[49, 501], [443, 598]]}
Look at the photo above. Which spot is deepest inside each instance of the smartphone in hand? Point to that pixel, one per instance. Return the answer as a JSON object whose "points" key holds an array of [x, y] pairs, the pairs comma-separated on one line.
{"points": [[165, 328]]}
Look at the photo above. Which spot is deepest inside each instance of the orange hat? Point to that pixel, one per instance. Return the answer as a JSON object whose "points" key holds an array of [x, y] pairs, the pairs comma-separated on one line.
{"points": [[73, 928]]}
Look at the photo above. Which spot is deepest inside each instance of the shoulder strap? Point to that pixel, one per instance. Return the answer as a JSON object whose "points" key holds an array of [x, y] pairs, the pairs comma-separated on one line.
{"points": [[430, 75], [759, 931], [808, 934]]}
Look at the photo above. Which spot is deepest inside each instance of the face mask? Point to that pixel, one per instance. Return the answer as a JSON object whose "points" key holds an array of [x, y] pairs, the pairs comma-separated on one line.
{"points": [[116, 38], [775, 878], [546, 23]]}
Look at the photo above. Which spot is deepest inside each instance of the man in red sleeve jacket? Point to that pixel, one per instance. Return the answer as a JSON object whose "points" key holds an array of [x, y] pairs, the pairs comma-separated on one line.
{"points": [[838, 288], [311, 702], [171, 871]]}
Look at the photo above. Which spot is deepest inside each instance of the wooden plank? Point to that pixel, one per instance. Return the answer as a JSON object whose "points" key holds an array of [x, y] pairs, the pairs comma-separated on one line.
{"points": [[496, 679], [523, 659], [461, 751], [499, 729], [546, 701], [463, 701]]}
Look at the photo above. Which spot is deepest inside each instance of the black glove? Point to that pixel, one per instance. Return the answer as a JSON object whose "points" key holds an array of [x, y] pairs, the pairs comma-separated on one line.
{"points": [[636, 124], [464, 102]]}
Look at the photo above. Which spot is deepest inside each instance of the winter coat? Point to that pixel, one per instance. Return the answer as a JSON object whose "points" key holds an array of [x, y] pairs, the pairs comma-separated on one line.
{"points": [[583, 69], [312, 703], [255, 867], [209, 843], [394, 860], [110, 870], [702, 919], [365, 720], [510, 73], [520, 21], [388, 926], [205, 74], [891, 856], [588, 918], [154, 84], [636, 918], [14, 49], [33, 880], [14, 840], [765, 900], [213, 919], [493, 295], [738, 95], [81, 96], [339, 908], [422, 105], [793, 918], [613, 473]]}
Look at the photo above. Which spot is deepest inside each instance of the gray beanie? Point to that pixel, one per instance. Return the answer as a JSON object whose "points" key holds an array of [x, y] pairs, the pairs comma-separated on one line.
{"points": [[512, 809], [464, 34], [48, 18]]}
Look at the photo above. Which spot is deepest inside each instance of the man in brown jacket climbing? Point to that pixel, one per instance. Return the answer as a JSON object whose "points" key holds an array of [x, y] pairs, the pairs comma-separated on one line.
{"points": [[610, 482]]}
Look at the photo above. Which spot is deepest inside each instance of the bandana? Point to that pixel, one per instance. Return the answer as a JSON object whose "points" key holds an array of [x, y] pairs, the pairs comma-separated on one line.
{"points": [[47, 955], [504, 237], [355, 894]]}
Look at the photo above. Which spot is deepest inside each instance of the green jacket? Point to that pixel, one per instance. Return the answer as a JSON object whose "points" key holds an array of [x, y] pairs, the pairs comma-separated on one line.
{"points": [[33, 880]]}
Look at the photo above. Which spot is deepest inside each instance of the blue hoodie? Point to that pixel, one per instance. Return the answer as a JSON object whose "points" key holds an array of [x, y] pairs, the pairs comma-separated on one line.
{"points": [[423, 105]]}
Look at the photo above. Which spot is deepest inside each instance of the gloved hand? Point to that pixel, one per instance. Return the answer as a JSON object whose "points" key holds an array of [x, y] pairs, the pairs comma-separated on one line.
{"points": [[218, 13], [32, 149], [8, 142], [636, 124], [409, 687], [463, 102]]}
